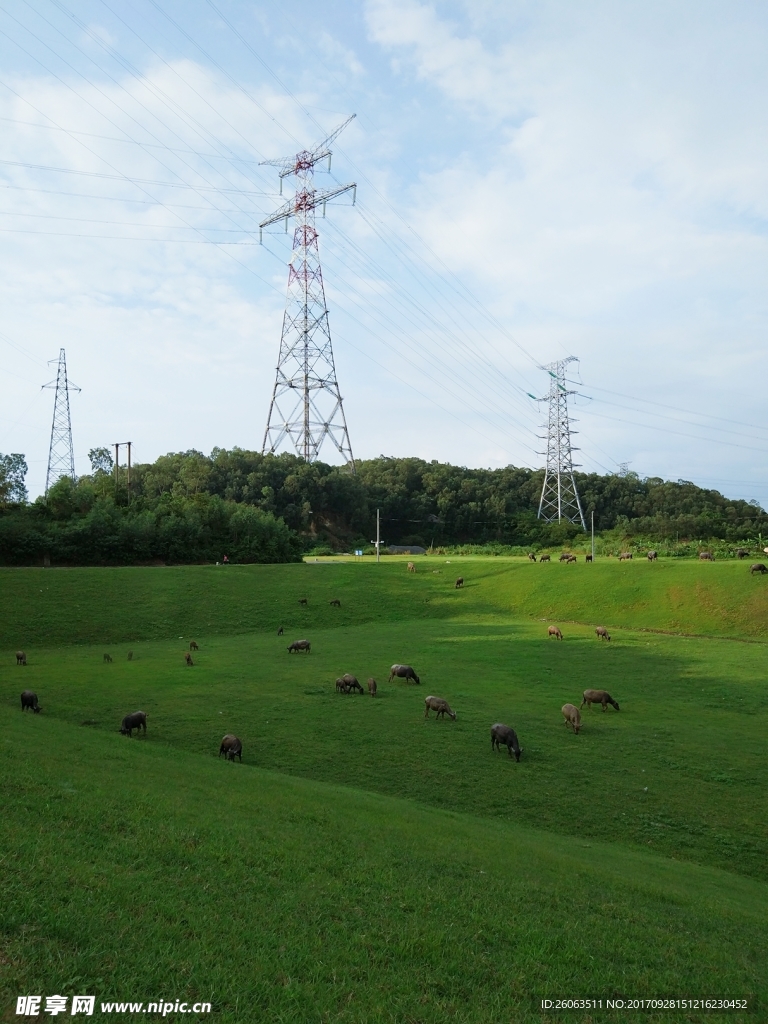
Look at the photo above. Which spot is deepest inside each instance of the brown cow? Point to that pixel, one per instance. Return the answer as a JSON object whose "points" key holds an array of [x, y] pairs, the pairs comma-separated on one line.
{"points": [[756, 567], [403, 672], [351, 683], [411, 567], [193, 646], [545, 558], [188, 659], [598, 697], [572, 717], [625, 556], [706, 556], [531, 556], [440, 706], [555, 631], [231, 747], [372, 687], [602, 633], [652, 556]]}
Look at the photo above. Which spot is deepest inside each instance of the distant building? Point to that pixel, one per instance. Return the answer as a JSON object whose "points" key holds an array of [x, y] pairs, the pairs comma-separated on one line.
{"points": [[409, 549]]}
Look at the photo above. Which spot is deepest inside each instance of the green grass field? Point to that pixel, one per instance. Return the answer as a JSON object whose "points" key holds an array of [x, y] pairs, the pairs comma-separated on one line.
{"points": [[363, 863]]}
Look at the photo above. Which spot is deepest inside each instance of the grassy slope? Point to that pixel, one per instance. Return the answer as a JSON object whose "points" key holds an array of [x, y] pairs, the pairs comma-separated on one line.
{"points": [[121, 605], [421, 914], [165, 875]]}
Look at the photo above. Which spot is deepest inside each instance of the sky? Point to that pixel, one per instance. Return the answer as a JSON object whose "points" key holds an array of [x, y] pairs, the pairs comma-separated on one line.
{"points": [[534, 181]]}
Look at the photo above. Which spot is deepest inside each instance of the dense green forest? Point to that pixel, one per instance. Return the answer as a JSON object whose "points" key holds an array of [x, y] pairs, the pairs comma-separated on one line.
{"points": [[189, 507]]}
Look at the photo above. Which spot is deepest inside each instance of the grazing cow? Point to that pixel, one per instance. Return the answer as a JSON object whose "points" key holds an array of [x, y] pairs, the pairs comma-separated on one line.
{"points": [[598, 697], [555, 632], [755, 567], [411, 567], [652, 556], [188, 659], [572, 717], [193, 646], [29, 700], [302, 600], [403, 672], [231, 747], [130, 655], [459, 583], [588, 558], [108, 658], [341, 686], [440, 706], [566, 555], [544, 558], [335, 603], [531, 556], [504, 734], [625, 556], [137, 721], [372, 687], [299, 645], [350, 681], [280, 631], [21, 658], [706, 556], [571, 558], [602, 633], [741, 553]]}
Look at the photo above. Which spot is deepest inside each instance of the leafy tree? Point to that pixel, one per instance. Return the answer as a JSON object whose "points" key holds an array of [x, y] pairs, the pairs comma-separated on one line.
{"points": [[13, 470]]}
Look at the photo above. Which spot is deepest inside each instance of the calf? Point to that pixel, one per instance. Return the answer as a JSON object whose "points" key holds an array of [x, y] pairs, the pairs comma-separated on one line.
{"points": [[571, 558], [299, 645], [108, 658], [555, 632], [372, 687], [341, 686], [193, 646], [138, 721], [504, 734], [544, 558], [188, 659], [602, 633], [231, 747], [459, 583], [531, 556], [21, 658], [29, 700], [652, 556], [403, 672], [756, 567], [706, 556], [411, 567], [335, 603], [598, 697], [572, 717], [440, 706]]}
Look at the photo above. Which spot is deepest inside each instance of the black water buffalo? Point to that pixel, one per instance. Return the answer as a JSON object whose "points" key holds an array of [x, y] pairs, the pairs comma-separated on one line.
{"points": [[231, 747], [504, 734], [403, 672], [138, 721], [29, 700], [300, 645]]}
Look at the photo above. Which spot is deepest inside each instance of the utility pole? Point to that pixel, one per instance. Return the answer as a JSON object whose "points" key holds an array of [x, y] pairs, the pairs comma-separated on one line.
{"points": [[61, 454], [593, 536], [306, 406], [118, 445], [559, 496], [378, 534]]}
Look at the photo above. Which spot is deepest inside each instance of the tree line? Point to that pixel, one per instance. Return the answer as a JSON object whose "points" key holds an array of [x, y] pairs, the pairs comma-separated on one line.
{"points": [[191, 507]]}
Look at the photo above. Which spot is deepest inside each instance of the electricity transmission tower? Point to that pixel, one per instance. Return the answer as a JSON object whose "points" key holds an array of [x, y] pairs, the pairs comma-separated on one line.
{"points": [[61, 455], [306, 406], [559, 496]]}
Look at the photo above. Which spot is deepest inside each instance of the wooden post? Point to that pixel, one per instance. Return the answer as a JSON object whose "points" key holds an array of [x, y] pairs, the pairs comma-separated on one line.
{"points": [[117, 468], [378, 534], [129, 471]]}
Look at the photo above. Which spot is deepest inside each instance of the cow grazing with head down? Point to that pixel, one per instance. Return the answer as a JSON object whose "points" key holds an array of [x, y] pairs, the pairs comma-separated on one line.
{"points": [[280, 631], [531, 556], [755, 567], [300, 645], [652, 556], [625, 556], [302, 600], [602, 633], [439, 706], [459, 583], [108, 658], [351, 683], [598, 697], [29, 700], [188, 659], [741, 553], [555, 632], [545, 558], [706, 556], [411, 567], [21, 658], [137, 721], [403, 672], [335, 603], [572, 717], [503, 734], [231, 747], [372, 687]]}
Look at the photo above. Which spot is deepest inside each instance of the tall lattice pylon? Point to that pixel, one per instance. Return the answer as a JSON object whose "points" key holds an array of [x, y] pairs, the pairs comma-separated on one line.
{"points": [[559, 496], [306, 406], [61, 455]]}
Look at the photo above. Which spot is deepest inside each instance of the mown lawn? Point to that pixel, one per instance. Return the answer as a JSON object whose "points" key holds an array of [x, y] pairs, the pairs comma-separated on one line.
{"points": [[363, 863]]}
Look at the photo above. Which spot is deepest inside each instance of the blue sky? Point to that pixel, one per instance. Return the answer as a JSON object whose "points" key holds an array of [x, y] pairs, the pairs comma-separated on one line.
{"points": [[534, 181]]}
